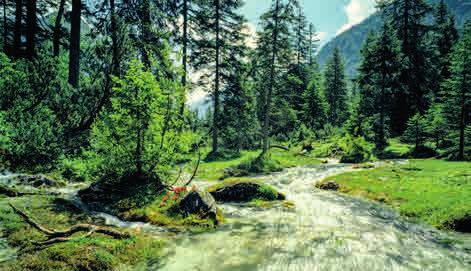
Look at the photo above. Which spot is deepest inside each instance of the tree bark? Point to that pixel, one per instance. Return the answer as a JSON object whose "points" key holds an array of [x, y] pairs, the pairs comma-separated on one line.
{"points": [[31, 28], [74, 53], [5, 27], [57, 29], [114, 38], [16, 50], [216, 84], [185, 55], [268, 96]]}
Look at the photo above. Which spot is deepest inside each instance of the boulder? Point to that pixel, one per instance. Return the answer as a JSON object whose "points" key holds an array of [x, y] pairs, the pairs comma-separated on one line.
{"points": [[330, 185], [37, 181], [200, 203], [244, 192]]}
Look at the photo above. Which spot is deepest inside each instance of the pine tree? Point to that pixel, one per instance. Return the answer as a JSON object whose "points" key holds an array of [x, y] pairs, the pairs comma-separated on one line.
{"points": [[445, 35], [315, 106], [457, 101], [239, 123], [274, 51], [408, 19], [221, 26], [335, 87], [379, 79]]}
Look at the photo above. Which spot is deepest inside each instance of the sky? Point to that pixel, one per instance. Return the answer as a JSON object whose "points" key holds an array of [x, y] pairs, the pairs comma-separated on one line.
{"points": [[330, 17]]}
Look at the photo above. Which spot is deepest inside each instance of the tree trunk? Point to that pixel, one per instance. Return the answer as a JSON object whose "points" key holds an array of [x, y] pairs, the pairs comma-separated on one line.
{"points": [[268, 96], [16, 50], [5, 27], [57, 29], [114, 39], [185, 54], [31, 24], [146, 32], [216, 84], [74, 53]]}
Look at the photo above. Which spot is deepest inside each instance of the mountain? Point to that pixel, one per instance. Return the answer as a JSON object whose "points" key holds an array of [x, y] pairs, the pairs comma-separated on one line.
{"points": [[351, 41]]}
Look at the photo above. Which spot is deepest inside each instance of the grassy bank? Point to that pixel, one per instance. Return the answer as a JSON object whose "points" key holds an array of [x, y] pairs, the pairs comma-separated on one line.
{"points": [[216, 170], [95, 252], [435, 191]]}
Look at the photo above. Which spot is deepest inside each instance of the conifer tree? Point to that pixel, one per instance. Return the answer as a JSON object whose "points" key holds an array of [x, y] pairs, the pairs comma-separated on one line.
{"points": [[408, 19], [315, 106], [457, 101], [445, 35], [335, 87], [274, 50], [219, 27], [379, 81]]}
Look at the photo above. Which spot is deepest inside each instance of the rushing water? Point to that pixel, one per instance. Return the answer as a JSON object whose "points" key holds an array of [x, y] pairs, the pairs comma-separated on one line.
{"points": [[325, 231]]}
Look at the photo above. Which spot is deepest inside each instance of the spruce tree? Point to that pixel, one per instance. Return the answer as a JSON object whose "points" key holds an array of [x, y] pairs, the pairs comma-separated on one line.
{"points": [[445, 35], [315, 106], [220, 29], [379, 80], [457, 101], [274, 51], [335, 86], [408, 19]]}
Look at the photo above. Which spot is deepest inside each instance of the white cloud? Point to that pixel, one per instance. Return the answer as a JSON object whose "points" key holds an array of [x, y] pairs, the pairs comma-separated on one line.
{"points": [[357, 11]]}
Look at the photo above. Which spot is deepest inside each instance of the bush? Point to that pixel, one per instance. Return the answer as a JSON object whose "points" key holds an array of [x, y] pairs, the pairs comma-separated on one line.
{"points": [[141, 134], [356, 150]]}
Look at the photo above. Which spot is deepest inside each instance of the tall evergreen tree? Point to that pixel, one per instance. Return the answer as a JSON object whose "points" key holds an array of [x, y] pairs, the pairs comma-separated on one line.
{"points": [[408, 18], [219, 26], [457, 101], [380, 80], [315, 106], [445, 35], [274, 50], [335, 87]]}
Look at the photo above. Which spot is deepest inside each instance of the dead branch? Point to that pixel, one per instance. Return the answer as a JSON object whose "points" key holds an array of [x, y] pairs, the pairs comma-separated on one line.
{"points": [[57, 236], [279, 147]]}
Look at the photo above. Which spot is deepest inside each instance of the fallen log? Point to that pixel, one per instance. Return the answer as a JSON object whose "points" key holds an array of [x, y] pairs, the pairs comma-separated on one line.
{"points": [[58, 236], [13, 193]]}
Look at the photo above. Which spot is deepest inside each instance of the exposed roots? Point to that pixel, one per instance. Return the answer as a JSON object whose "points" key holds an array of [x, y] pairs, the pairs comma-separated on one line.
{"points": [[59, 236]]}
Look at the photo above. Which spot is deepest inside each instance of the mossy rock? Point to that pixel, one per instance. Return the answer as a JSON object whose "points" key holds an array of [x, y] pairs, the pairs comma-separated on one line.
{"points": [[244, 191], [328, 185]]}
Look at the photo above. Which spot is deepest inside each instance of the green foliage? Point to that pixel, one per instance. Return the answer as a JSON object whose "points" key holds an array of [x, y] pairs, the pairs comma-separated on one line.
{"points": [[140, 134], [355, 150], [315, 106], [433, 191], [416, 132], [457, 101], [335, 87]]}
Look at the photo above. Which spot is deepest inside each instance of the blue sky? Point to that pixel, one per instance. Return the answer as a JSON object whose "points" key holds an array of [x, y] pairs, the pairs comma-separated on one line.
{"points": [[329, 16]]}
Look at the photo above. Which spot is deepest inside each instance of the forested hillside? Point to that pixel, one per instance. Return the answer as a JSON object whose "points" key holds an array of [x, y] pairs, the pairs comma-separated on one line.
{"points": [[351, 41]]}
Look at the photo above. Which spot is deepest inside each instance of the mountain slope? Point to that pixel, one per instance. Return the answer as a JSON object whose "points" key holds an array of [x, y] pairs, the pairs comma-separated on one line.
{"points": [[351, 41]]}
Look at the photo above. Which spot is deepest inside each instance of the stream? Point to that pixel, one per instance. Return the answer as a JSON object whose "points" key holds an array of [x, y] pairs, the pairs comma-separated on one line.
{"points": [[323, 231]]}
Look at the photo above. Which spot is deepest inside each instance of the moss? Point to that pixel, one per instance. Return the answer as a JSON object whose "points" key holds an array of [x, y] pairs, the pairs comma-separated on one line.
{"points": [[264, 192], [96, 252], [434, 191]]}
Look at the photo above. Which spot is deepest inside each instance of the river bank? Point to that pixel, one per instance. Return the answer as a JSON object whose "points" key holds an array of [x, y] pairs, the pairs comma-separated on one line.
{"points": [[317, 230]]}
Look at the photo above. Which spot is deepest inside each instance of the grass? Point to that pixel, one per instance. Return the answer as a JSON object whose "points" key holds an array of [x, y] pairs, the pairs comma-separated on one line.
{"points": [[96, 252], [216, 170], [435, 191]]}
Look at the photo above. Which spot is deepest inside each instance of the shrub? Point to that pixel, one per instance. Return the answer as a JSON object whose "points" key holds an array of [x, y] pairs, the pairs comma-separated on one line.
{"points": [[356, 150]]}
